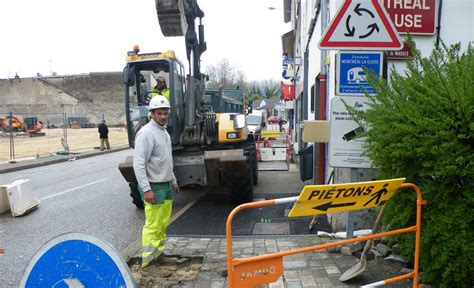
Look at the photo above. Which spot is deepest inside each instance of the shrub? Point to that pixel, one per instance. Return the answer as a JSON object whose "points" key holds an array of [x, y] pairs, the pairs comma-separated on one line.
{"points": [[422, 128]]}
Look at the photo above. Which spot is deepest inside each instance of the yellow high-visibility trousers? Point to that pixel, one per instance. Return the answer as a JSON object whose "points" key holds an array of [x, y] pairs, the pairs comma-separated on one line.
{"points": [[157, 217]]}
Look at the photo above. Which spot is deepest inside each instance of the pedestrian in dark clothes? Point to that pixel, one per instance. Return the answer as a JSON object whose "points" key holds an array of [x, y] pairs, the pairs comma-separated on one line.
{"points": [[104, 136]]}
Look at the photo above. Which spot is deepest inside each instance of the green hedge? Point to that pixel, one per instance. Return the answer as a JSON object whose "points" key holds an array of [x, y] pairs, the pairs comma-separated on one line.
{"points": [[422, 128]]}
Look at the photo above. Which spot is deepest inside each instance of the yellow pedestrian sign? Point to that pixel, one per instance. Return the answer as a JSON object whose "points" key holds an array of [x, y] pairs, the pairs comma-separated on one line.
{"points": [[323, 199]]}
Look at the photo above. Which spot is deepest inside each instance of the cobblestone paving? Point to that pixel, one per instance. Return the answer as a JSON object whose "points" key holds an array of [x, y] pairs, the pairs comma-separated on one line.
{"points": [[310, 269]]}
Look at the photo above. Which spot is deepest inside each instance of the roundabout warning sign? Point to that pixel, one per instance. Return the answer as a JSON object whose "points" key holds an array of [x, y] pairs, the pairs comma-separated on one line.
{"points": [[361, 25]]}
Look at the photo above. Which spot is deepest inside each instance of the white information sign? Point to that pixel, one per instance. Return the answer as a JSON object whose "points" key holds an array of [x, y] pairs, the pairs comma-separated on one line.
{"points": [[345, 148]]}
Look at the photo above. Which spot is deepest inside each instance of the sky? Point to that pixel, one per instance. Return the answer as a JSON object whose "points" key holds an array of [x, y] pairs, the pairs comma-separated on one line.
{"points": [[75, 37]]}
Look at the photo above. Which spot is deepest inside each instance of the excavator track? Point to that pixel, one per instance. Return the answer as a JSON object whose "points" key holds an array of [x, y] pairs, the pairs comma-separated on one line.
{"points": [[171, 17]]}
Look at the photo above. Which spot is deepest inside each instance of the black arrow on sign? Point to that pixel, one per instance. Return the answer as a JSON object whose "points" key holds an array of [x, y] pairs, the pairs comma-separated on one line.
{"points": [[357, 9], [350, 32], [329, 205], [372, 28]]}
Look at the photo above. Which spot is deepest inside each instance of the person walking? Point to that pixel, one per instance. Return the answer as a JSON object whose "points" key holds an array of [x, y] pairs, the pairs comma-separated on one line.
{"points": [[104, 136], [153, 166]]}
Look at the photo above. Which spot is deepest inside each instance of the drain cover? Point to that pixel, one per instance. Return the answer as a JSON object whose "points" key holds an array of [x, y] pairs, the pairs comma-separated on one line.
{"points": [[282, 228]]}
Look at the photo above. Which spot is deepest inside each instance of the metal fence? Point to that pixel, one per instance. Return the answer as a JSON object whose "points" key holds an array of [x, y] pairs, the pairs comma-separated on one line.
{"points": [[33, 135]]}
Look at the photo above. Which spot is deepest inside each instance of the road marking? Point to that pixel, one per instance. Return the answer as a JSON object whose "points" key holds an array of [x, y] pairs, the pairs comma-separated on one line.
{"points": [[74, 189], [133, 249], [185, 208]]}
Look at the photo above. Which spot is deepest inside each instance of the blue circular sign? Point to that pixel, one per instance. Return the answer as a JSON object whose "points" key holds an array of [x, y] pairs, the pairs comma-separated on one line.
{"points": [[76, 259]]}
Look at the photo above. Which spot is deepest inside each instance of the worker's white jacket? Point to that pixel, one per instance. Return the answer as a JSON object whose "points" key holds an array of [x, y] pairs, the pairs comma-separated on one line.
{"points": [[152, 158]]}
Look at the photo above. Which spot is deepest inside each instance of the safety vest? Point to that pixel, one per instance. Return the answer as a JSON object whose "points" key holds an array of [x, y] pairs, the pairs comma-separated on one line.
{"points": [[165, 92]]}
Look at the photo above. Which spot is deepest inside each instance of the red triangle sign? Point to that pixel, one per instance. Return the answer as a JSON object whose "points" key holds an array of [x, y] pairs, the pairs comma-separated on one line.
{"points": [[361, 25]]}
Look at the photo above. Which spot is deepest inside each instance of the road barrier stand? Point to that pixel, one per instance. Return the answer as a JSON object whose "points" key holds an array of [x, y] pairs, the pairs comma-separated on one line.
{"points": [[322, 199]]}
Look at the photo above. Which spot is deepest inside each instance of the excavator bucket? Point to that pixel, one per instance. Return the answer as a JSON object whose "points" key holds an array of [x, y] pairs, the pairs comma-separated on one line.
{"points": [[171, 17]]}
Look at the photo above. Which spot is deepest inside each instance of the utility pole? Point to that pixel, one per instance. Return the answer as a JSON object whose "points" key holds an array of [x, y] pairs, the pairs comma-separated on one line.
{"points": [[320, 176]]}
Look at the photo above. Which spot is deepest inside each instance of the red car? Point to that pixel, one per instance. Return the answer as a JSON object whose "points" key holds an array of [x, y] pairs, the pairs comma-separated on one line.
{"points": [[275, 120]]}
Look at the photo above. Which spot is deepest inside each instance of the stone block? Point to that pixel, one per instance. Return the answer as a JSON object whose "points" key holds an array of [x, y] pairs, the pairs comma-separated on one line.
{"points": [[370, 255], [335, 249], [383, 249], [351, 248], [378, 256], [395, 261]]}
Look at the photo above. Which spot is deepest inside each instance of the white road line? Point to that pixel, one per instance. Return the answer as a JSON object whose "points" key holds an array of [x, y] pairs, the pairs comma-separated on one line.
{"points": [[73, 189]]}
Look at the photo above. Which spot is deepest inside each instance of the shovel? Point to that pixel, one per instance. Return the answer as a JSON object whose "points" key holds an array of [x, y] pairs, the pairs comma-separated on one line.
{"points": [[361, 264]]}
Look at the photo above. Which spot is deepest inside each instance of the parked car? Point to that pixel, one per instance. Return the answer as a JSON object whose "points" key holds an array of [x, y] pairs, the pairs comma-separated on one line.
{"points": [[275, 120]]}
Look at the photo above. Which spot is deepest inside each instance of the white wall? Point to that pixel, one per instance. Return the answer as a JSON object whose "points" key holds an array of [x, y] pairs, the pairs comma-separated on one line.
{"points": [[456, 26]]}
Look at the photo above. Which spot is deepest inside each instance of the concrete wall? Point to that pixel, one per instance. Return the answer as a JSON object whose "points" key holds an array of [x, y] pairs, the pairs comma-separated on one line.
{"points": [[89, 95]]}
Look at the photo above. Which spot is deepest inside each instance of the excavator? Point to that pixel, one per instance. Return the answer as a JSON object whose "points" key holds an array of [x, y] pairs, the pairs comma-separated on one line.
{"points": [[212, 146]]}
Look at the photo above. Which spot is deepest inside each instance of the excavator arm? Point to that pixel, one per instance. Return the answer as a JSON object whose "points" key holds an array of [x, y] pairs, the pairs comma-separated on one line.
{"points": [[211, 147], [177, 18]]}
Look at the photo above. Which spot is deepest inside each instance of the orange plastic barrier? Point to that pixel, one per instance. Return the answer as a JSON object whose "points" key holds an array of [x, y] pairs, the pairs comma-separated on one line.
{"points": [[263, 269]]}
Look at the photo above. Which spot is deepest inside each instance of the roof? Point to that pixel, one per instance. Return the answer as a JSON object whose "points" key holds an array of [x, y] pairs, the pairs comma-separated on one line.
{"points": [[264, 104]]}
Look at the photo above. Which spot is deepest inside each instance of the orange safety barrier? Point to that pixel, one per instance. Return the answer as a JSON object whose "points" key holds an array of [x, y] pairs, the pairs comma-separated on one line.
{"points": [[263, 269]]}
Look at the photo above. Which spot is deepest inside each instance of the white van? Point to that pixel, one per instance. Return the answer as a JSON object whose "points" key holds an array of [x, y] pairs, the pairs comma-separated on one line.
{"points": [[256, 121]]}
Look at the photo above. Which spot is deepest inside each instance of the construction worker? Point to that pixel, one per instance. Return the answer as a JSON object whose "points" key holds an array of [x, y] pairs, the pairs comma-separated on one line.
{"points": [[160, 88], [153, 166]]}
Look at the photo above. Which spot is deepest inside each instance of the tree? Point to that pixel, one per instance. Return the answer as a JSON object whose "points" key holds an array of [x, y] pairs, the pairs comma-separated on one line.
{"points": [[264, 89], [254, 91], [224, 75], [270, 88], [422, 128]]}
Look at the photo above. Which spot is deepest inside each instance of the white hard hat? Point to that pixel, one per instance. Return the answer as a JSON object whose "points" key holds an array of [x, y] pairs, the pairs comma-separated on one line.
{"points": [[159, 77], [158, 102]]}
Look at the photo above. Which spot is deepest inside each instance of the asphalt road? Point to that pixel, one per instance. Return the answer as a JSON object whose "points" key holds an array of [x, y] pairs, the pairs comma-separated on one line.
{"points": [[87, 195], [90, 196]]}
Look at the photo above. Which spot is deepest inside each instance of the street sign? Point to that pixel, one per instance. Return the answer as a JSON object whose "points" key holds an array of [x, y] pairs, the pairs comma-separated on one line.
{"points": [[416, 16], [361, 25], [77, 260], [402, 54], [350, 77], [323, 199], [345, 149]]}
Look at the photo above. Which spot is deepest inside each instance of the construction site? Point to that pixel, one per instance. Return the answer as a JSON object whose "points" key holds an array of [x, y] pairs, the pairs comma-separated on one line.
{"points": [[64, 116], [50, 143]]}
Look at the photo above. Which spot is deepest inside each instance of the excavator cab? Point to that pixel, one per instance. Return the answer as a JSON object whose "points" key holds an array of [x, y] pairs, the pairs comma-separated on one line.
{"points": [[140, 75]]}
